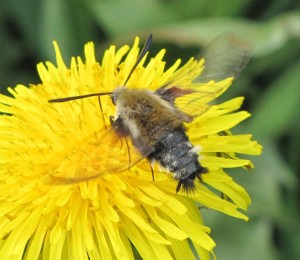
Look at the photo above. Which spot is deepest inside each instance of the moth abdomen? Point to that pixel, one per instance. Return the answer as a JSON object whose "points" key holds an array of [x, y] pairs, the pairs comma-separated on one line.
{"points": [[175, 152]]}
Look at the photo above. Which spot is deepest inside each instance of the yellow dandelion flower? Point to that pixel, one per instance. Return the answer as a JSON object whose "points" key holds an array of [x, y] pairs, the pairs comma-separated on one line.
{"points": [[44, 146]]}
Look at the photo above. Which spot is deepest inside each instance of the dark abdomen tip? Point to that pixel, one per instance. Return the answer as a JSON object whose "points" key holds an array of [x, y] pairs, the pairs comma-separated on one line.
{"points": [[188, 183]]}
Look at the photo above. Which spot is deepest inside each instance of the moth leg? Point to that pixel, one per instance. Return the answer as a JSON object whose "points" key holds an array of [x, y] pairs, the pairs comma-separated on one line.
{"points": [[178, 186], [152, 172], [129, 154], [122, 132], [101, 109], [119, 126]]}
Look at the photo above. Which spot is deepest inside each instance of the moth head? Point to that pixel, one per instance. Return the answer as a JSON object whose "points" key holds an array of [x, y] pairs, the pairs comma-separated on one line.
{"points": [[116, 94]]}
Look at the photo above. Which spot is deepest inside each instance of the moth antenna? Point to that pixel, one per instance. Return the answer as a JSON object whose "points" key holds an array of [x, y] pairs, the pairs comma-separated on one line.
{"points": [[140, 57], [129, 154], [78, 97]]}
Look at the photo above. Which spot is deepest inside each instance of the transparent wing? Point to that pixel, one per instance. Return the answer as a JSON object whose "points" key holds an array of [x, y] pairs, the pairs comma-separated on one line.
{"points": [[224, 58]]}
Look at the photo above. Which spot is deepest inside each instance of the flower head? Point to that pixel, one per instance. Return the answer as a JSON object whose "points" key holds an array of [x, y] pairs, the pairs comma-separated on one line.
{"points": [[43, 213]]}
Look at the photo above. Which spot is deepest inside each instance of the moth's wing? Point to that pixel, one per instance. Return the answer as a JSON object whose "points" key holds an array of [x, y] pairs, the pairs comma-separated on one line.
{"points": [[223, 60], [102, 153], [226, 56], [200, 99]]}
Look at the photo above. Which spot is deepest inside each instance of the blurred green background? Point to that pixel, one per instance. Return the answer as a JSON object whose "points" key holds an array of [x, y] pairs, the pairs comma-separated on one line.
{"points": [[271, 84]]}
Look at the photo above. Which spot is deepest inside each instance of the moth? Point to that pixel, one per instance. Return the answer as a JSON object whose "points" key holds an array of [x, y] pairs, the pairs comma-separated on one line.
{"points": [[155, 124]]}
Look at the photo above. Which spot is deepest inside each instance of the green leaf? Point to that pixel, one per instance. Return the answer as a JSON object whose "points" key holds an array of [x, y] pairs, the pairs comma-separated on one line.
{"points": [[270, 175], [237, 239], [67, 22], [266, 36], [278, 106], [122, 16]]}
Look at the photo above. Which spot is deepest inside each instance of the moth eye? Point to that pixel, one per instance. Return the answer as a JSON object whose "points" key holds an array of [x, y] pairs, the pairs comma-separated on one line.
{"points": [[114, 98]]}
